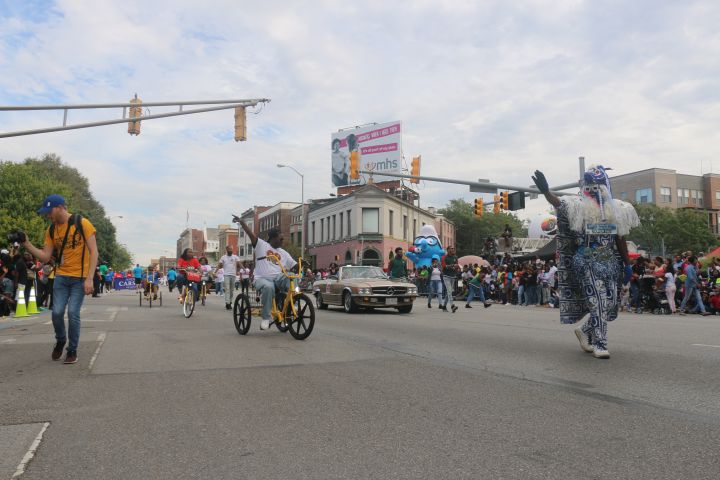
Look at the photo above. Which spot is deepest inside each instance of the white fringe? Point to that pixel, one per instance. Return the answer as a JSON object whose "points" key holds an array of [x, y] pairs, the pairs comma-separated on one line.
{"points": [[582, 210]]}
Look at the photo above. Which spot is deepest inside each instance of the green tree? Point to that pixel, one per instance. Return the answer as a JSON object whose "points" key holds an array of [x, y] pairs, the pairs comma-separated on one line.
{"points": [[471, 232], [23, 188], [666, 231]]}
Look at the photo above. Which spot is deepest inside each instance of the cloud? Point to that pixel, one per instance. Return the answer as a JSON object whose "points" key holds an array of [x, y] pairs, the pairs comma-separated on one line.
{"points": [[484, 89]]}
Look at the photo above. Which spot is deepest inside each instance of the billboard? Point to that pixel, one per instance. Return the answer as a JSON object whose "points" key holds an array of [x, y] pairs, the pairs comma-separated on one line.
{"points": [[379, 147]]}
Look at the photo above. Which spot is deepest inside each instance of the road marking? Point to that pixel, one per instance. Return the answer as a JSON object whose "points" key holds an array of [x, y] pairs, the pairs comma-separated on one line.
{"points": [[113, 316], [703, 345], [31, 452], [101, 339], [49, 322], [9, 340]]}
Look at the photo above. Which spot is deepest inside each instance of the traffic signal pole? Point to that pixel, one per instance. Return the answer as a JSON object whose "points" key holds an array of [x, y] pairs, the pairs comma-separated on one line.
{"points": [[481, 185], [226, 104]]}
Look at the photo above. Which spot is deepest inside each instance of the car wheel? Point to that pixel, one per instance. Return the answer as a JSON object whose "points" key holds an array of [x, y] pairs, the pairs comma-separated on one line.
{"points": [[348, 303], [319, 303], [405, 309]]}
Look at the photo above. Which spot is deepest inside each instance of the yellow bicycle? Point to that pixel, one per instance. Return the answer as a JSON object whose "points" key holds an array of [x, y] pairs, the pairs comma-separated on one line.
{"points": [[296, 314]]}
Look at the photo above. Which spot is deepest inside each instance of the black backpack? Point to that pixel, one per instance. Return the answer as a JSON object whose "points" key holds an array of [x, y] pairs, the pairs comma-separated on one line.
{"points": [[76, 221]]}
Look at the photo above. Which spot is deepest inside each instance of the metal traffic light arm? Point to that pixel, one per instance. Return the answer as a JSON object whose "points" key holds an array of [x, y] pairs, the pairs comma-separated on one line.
{"points": [[227, 104], [498, 186]]}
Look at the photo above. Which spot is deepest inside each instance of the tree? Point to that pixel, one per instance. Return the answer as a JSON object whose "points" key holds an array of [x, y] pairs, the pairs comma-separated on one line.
{"points": [[23, 188], [663, 231], [471, 232]]}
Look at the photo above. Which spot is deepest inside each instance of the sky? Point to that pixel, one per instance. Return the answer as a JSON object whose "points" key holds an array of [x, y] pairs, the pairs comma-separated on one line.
{"points": [[485, 89]]}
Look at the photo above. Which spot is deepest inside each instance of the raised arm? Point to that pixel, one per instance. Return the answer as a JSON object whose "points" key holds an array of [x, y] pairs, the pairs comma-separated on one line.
{"points": [[542, 185], [248, 232]]}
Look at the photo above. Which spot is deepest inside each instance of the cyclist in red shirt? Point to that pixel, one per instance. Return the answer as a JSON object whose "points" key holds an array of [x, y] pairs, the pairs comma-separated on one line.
{"points": [[187, 262]]}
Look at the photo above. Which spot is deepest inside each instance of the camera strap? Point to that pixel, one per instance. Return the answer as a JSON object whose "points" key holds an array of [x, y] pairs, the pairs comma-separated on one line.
{"points": [[62, 248]]}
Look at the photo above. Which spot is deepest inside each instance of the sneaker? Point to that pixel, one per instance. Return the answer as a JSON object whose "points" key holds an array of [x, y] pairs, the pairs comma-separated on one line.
{"points": [[57, 351], [705, 314], [265, 324], [429, 306], [487, 304], [682, 312], [454, 308], [71, 357], [599, 352], [467, 305], [584, 340], [227, 306]]}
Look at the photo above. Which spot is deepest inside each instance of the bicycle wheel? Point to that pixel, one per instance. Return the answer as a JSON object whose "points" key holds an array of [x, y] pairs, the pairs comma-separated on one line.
{"points": [[301, 325], [242, 313], [140, 299], [188, 303], [149, 299], [160, 297], [204, 294]]}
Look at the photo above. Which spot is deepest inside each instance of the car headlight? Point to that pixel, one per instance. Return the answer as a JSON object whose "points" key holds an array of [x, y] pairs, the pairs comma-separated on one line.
{"points": [[412, 291], [364, 291]]}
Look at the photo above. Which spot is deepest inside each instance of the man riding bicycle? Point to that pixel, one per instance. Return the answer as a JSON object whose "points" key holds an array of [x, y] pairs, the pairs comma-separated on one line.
{"points": [[269, 278]]}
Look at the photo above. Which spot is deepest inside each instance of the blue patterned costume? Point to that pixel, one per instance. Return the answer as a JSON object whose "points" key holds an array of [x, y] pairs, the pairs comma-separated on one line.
{"points": [[589, 278]]}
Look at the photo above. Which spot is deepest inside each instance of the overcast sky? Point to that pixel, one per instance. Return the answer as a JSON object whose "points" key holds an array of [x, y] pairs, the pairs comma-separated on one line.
{"points": [[484, 89]]}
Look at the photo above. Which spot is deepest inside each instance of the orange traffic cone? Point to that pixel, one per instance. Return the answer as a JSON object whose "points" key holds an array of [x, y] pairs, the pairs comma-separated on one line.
{"points": [[32, 302], [21, 309]]}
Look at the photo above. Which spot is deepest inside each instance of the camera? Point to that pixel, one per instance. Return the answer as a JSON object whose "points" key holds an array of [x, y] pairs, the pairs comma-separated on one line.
{"points": [[16, 236]]}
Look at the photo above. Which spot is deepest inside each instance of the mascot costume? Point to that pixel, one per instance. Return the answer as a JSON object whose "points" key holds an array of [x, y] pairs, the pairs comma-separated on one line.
{"points": [[591, 245], [424, 247]]}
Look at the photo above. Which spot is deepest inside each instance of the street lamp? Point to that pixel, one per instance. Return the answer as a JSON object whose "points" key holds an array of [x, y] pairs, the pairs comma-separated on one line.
{"points": [[302, 206]]}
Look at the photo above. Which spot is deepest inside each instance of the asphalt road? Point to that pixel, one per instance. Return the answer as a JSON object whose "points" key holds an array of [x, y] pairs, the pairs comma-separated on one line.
{"points": [[499, 393]]}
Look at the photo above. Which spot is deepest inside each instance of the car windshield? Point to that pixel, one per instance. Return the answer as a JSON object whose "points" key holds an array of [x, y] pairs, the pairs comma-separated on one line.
{"points": [[362, 272]]}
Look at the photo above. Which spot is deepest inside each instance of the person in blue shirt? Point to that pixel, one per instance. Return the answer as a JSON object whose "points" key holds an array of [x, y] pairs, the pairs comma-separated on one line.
{"points": [[692, 284], [109, 279], [138, 274], [151, 280], [171, 278]]}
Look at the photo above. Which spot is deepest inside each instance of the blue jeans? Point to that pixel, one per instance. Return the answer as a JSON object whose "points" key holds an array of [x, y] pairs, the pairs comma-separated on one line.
{"points": [[435, 288], [67, 292], [693, 291], [267, 287], [521, 295], [475, 291]]}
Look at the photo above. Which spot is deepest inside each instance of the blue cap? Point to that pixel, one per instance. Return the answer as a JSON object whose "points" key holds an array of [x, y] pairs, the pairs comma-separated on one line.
{"points": [[50, 202], [436, 257]]}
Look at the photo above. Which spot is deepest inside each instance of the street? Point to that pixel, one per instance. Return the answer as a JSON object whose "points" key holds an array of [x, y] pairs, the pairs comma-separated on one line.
{"points": [[504, 392]]}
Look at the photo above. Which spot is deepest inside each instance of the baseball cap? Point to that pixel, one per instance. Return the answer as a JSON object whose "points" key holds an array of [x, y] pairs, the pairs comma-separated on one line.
{"points": [[50, 202]]}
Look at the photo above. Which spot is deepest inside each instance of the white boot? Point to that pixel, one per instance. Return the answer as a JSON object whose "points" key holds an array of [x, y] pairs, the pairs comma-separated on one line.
{"points": [[584, 340]]}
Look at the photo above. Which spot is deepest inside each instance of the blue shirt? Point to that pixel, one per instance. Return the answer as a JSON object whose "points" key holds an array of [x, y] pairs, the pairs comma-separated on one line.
{"points": [[137, 272], [171, 275], [692, 278]]}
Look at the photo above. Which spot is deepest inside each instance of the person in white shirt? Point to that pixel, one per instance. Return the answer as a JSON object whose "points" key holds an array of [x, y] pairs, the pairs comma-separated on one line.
{"points": [[268, 274], [245, 279], [219, 278], [229, 264]]}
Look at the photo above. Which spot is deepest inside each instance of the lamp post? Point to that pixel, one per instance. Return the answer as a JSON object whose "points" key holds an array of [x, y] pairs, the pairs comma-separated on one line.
{"points": [[302, 206]]}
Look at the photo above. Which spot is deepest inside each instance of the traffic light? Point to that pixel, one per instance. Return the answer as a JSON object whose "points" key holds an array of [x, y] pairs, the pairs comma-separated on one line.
{"points": [[478, 208], [415, 169], [354, 161], [504, 203], [135, 111], [240, 124], [496, 204]]}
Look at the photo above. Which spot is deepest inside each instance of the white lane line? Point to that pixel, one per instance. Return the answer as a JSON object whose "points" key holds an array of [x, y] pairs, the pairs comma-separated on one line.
{"points": [[9, 340], [101, 339], [49, 322], [30, 453], [703, 345], [113, 316]]}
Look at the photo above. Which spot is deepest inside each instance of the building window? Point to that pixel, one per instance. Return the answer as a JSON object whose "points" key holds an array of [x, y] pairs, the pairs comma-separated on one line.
{"points": [[313, 232], [643, 195], [683, 196], [390, 222], [665, 195], [700, 198], [405, 227], [349, 232], [371, 220], [328, 228], [717, 195], [341, 226], [334, 220], [322, 230], [414, 227]]}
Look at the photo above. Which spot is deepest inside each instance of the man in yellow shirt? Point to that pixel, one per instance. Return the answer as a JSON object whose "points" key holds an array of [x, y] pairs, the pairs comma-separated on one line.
{"points": [[76, 252]]}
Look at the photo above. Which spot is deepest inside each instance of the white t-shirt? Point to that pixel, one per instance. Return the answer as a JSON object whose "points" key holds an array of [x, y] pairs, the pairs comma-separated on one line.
{"points": [[244, 273], [219, 275], [435, 274], [264, 268], [229, 264], [669, 279]]}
